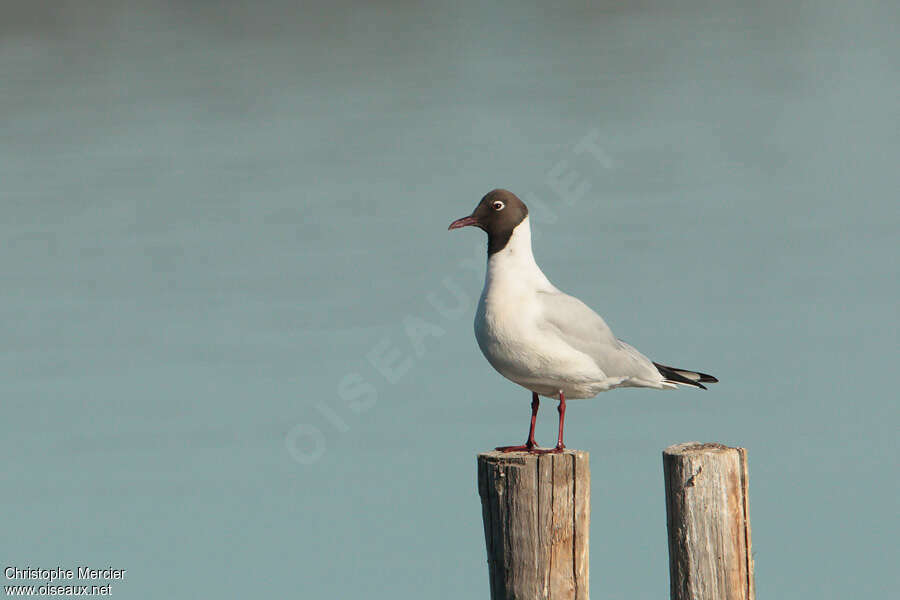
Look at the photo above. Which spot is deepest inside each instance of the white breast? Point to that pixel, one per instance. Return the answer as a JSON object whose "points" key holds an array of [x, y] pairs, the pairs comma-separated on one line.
{"points": [[506, 327]]}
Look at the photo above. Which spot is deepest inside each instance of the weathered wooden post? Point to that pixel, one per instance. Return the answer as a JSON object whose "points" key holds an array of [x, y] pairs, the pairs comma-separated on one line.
{"points": [[537, 512], [708, 520]]}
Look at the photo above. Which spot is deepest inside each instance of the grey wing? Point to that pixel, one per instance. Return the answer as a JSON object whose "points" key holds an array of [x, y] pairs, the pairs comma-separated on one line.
{"points": [[577, 325]]}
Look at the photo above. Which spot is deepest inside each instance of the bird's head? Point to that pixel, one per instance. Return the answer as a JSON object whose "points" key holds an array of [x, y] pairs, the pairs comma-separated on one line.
{"points": [[498, 214]]}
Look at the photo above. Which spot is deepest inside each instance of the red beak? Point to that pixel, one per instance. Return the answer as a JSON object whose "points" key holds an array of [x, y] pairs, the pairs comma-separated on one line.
{"points": [[464, 222]]}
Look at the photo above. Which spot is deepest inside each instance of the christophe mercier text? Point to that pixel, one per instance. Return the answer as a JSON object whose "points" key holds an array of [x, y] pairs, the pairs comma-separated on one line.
{"points": [[50, 575]]}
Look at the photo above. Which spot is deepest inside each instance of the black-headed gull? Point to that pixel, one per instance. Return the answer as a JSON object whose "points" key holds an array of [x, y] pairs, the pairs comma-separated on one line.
{"points": [[546, 341]]}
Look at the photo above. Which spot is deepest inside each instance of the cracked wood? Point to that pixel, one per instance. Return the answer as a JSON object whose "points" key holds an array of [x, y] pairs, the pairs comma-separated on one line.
{"points": [[708, 520], [536, 511]]}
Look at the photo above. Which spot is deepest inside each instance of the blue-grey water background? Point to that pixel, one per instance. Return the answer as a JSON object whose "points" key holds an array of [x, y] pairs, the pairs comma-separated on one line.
{"points": [[236, 354]]}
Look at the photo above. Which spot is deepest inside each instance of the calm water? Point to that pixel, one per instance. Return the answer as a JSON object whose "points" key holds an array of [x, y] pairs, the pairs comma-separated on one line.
{"points": [[236, 355]]}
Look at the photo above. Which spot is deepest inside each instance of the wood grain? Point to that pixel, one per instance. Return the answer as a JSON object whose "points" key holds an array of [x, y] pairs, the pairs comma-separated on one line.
{"points": [[708, 519], [536, 512]]}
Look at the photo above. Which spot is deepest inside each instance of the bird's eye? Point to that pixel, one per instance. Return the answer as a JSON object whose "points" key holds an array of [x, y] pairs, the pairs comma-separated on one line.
{"points": [[498, 205]]}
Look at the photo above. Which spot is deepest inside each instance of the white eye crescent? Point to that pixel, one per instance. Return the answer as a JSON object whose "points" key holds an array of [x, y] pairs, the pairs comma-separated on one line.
{"points": [[498, 205]]}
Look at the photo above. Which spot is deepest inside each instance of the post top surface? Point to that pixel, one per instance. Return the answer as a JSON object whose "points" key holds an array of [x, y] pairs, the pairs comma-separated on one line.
{"points": [[698, 448], [522, 457]]}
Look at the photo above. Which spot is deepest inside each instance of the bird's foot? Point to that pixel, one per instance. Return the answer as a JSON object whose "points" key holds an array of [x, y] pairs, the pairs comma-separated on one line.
{"points": [[559, 449], [528, 446]]}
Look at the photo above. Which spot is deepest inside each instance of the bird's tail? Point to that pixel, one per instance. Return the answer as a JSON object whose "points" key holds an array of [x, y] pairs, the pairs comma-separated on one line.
{"points": [[685, 377]]}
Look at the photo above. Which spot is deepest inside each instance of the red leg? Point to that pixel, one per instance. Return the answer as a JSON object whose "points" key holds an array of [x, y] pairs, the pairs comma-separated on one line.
{"points": [[562, 420], [561, 409], [535, 403], [530, 444]]}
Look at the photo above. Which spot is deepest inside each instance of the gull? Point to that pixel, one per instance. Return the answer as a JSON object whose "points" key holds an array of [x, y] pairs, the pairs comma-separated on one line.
{"points": [[544, 340]]}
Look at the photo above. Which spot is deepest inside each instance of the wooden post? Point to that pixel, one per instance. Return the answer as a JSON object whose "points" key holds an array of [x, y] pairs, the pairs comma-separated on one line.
{"points": [[537, 511], [709, 522]]}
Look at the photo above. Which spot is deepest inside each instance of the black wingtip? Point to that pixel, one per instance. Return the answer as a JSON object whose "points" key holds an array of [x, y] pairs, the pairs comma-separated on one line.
{"points": [[674, 375]]}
